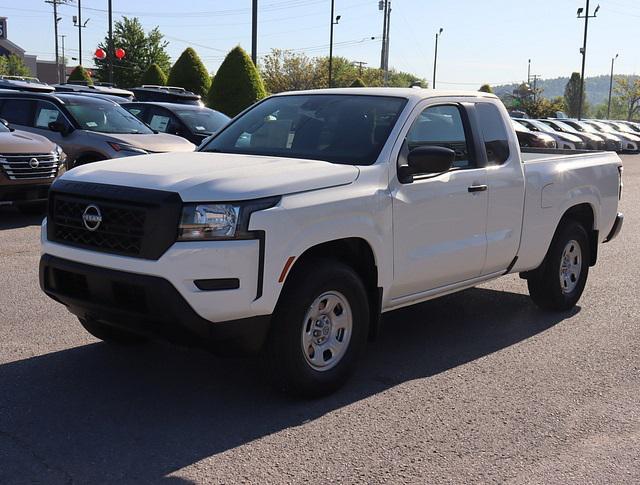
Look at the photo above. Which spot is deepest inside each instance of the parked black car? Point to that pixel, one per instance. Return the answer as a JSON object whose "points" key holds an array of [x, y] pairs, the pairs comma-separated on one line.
{"points": [[166, 94], [194, 123], [22, 83]]}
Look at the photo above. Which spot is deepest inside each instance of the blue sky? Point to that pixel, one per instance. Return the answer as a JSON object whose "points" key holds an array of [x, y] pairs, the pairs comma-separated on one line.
{"points": [[483, 41]]}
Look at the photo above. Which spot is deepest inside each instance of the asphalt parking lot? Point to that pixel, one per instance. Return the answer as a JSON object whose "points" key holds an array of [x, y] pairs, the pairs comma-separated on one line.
{"points": [[477, 387]]}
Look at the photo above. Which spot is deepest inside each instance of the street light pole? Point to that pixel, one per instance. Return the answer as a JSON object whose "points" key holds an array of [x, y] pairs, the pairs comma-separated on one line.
{"points": [[610, 88], [529, 72], [435, 58], [586, 18], [64, 60], [80, 32], [254, 32], [110, 48], [333, 22]]}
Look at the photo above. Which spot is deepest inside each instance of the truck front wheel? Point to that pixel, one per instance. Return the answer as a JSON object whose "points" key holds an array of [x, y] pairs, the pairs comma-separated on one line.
{"points": [[558, 283], [319, 329], [110, 334]]}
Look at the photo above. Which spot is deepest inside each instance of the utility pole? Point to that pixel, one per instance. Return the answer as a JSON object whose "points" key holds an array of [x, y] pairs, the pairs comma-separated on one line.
{"points": [[386, 49], [64, 61], [360, 64], [331, 42], [529, 72], [80, 32], [254, 31], [535, 85], [55, 32], [583, 51], [383, 5], [435, 57], [610, 88], [110, 48]]}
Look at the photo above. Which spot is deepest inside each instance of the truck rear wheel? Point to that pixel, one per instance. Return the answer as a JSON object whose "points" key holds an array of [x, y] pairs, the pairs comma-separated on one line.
{"points": [[319, 329], [111, 334], [559, 282]]}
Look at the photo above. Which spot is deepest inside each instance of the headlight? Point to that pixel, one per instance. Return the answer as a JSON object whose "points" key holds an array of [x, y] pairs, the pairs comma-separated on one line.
{"points": [[121, 147], [213, 221], [62, 156]]}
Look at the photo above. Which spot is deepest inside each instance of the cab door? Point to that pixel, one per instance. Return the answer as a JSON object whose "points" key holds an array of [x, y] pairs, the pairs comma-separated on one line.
{"points": [[439, 221]]}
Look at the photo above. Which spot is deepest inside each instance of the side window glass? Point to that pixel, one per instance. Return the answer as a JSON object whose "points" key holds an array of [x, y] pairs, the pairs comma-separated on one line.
{"points": [[45, 114], [159, 122], [496, 140], [137, 112], [18, 111], [441, 126]]}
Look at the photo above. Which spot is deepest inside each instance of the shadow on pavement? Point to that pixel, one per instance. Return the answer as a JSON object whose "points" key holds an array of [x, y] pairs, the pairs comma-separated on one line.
{"points": [[101, 414], [11, 218]]}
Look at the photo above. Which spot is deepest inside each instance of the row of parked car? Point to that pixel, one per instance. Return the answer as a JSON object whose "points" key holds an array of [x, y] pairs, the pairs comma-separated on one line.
{"points": [[48, 129], [572, 134]]}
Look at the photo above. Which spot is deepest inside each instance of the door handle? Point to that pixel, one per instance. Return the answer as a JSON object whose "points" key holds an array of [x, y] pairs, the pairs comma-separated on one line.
{"points": [[477, 188]]}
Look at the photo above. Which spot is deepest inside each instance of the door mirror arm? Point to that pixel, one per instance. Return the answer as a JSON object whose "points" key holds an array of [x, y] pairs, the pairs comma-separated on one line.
{"points": [[60, 127]]}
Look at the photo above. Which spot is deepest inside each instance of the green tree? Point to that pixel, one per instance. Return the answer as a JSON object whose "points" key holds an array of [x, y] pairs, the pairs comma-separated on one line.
{"points": [[154, 75], [357, 83], [572, 96], [541, 107], [237, 84], [79, 73], [141, 50], [284, 70], [628, 94], [485, 88], [190, 73], [13, 65]]}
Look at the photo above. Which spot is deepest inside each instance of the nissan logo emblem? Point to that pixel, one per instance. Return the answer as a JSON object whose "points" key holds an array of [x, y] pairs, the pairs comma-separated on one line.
{"points": [[34, 163], [92, 217]]}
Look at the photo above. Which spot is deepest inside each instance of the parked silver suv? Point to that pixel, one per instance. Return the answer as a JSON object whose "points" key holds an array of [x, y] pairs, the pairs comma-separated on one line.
{"points": [[87, 128]]}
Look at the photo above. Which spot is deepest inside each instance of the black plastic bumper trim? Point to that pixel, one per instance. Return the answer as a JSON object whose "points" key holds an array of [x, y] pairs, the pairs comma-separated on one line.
{"points": [[217, 284], [148, 305], [617, 227]]}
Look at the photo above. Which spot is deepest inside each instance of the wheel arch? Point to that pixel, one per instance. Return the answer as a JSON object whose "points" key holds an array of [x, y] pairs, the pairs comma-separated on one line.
{"points": [[356, 253], [585, 214]]}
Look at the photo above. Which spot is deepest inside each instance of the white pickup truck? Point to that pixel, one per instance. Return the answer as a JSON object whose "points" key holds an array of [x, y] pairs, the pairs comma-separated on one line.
{"points": [[313, 213]]}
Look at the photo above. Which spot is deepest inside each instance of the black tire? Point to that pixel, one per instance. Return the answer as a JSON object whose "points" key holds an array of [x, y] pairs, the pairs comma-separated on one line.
{"points": [[110, 334], [285, 358], [545, 286], [33, 208]]}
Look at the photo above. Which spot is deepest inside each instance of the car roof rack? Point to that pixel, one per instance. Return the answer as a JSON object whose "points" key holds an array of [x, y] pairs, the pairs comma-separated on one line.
{"points": [[167, 94]]}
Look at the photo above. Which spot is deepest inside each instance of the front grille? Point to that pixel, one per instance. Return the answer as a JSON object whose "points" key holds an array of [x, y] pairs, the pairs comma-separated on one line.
{"points": [[133, 222], [121, 230], [30, 167]]}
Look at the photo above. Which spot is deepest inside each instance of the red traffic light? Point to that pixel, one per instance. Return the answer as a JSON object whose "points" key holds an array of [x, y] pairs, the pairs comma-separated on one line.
{"points": [[120, 53], [100, 54]]}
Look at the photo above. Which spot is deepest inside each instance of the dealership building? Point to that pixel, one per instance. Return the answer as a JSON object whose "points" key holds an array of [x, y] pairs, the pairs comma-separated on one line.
{"points": [[43, 70]]}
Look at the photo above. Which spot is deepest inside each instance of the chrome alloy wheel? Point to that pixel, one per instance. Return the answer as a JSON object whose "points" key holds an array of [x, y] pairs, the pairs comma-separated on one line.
{"points": [[570, 266], [326, 331]]}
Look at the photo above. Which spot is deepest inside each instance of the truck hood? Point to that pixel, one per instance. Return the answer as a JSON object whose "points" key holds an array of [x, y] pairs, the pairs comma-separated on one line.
{"points": [[201, 176], [22, 142], [152, 142]]}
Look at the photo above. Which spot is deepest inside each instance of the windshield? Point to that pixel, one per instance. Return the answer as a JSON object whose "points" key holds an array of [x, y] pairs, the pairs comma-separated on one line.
{"points": [[602, 127], [622, 127], [564, 126], [106, 117], [348, 129], [519, 126], [205, 121]]}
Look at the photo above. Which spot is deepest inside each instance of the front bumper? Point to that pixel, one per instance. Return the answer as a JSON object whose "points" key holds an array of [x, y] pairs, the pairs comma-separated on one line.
{"points": [[617, 227], [144, 304]]}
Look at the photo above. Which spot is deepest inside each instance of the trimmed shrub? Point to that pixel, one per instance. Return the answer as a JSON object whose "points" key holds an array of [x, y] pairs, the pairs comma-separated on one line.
{"points": [[190, 73], [485, 88], [357, 83], [154, 75], [79, 73], [237, 84]]}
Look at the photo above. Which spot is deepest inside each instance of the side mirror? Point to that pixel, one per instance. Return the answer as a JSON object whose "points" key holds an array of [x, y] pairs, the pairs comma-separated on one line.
{"points": [[6, 123], [59, 127], [426, 160]]}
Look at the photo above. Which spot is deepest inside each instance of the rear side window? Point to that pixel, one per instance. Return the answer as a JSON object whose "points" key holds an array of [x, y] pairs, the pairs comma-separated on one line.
{"points": [[46, 113], [496, 140], [441, 126], [18, 111]]}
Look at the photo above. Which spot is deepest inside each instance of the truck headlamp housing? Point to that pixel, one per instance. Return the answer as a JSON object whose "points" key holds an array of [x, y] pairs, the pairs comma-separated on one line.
{"points": [[210, 221]]}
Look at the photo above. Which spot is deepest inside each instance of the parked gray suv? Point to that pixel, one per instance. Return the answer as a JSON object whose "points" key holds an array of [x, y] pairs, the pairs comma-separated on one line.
{"points": [[87, 128]]}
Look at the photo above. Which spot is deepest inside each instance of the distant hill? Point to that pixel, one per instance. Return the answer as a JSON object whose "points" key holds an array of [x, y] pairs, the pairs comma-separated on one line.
{"points": [[597, 88]]}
